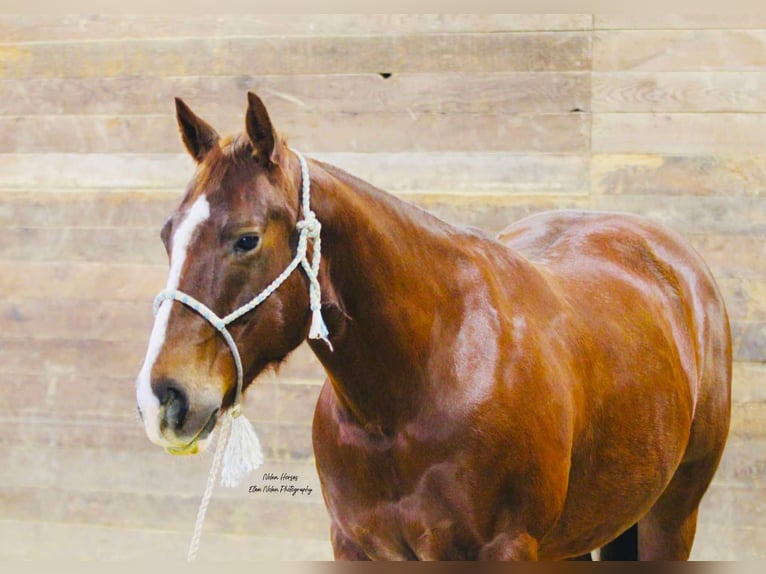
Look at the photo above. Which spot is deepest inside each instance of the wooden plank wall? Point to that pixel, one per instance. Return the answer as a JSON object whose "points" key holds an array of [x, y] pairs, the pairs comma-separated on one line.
{"points": [[482, 119]]}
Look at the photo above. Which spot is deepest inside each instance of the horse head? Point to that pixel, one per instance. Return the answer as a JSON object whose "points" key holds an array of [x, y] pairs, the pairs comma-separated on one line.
{"points": [[233, 233]]}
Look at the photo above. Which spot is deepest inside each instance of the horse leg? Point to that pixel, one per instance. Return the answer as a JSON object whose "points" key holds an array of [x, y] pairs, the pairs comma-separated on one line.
{"points": [[343, 548], [510, 547], [624, 547], [667, 531]]}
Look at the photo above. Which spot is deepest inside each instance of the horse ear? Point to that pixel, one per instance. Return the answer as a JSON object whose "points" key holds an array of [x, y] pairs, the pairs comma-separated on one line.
{"points": [[263, 137], [198, 136]]}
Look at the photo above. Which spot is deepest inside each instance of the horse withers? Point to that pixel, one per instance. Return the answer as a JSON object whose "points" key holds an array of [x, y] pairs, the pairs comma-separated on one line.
{"points": [[560, 388]]}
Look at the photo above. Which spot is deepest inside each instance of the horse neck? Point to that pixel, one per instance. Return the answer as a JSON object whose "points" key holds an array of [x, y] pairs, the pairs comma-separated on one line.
{"points": [[386, 266]]}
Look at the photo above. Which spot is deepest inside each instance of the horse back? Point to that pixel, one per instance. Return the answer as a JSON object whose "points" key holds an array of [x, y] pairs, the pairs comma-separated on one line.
{"points": [[600, 261]]}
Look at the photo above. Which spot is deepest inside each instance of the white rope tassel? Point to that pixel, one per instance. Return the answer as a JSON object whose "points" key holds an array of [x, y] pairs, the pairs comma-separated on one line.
{"points": [[318, 328], [243, 451]]}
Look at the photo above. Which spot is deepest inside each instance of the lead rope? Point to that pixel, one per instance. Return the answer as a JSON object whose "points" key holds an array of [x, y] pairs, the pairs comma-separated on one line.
{"points": [[237, 446]]}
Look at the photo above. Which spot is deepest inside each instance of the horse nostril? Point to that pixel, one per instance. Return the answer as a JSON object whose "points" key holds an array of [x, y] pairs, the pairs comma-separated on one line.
{"points": [[176, 407], [176, 404]]}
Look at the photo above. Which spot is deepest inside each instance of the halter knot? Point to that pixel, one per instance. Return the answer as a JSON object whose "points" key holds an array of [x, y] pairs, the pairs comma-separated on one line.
{"points": [[311, 225]]}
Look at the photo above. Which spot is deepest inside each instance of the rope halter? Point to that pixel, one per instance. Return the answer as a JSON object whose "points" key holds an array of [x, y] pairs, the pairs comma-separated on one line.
{"points": [[238, 447], [308, 228]]}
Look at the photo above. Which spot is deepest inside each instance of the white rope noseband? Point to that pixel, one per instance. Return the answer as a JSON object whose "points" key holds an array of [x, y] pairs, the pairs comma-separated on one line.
{"points": [[242, 451]]}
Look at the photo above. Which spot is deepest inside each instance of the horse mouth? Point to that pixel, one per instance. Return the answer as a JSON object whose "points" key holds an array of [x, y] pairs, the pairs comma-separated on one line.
{"points": [[193, 446]]}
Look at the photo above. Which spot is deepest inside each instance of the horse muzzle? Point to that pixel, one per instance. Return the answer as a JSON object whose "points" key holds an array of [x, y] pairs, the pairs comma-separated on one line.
{"points": [[173, 423]]}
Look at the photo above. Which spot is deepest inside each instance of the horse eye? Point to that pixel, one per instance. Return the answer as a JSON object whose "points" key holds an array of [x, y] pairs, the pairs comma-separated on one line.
{"points": [[247, 243]]}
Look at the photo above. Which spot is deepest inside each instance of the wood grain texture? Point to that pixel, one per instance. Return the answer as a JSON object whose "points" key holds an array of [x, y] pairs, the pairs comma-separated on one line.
{"points": [[477, 173], [685, 92], [745, 297], [285, 95], [679, 50], [81, 281], [501, 52], [686, 133], [749, 340], [331, 132], [718, 174], [20, 540], [97, 170], [107, 245], [102, 318], [87, 209], [732, 255], [39, 27], [678, 21], [105, 470], [693, 214], [281, 518], [749, 385]]}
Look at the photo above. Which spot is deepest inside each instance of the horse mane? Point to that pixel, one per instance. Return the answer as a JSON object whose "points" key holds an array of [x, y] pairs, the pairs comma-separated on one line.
{"points": [[402, 208], [239, 149]]}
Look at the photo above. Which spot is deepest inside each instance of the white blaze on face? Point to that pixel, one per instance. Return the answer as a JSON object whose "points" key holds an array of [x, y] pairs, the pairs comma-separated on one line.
{"points": [[147, 400]]}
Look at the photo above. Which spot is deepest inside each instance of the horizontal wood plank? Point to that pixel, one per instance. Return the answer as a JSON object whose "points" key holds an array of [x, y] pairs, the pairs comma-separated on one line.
{"points": [[78, 27], [679, 50], [749, 340], [224, 96], [108, 245], [458, 172], [745, 297], [679, 92], [376, 132], [501, 52], [679, 133], [97, 170], [102, 470], [87, 209], [58, 318], [690, 214], [281, 441], [61, 541], [81, 281], [678, 21], [732, 255], [714, 541], [637, 174], [749, 385], [282, 518]]}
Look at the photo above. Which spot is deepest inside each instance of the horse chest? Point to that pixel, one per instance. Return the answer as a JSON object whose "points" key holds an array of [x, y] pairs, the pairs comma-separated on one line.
{"points": [[393, 498], [392, 517]]}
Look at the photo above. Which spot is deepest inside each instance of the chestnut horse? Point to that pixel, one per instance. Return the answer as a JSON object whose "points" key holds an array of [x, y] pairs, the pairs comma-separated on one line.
{"points": [[560, 388]]}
